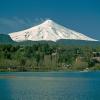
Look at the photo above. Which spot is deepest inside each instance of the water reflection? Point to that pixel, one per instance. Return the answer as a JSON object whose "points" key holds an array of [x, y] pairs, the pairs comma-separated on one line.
{"points": [[51, 86], [5, 89]]}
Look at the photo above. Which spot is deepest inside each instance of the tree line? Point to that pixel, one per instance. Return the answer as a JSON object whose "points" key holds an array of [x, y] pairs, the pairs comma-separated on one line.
{"points": [[47, 57]]}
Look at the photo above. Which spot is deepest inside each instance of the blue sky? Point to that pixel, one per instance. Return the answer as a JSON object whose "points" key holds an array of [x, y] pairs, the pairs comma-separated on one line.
{"points": [[80, 15]]}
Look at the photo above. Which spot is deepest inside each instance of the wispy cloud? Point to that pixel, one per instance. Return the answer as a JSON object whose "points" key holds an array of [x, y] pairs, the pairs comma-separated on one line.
{"points": [[15, 24], [15, 21], [8, 25]]}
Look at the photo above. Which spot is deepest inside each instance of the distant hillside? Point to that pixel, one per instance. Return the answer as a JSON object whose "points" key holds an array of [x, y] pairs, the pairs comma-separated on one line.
{"points": [[78, 42], [5, 39], [63, 42]]}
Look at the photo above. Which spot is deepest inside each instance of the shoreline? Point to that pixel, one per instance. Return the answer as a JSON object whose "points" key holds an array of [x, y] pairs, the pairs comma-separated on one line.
{"points": [[52, 71]]}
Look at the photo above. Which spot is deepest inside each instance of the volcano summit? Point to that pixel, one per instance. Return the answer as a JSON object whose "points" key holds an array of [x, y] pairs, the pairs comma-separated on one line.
{"points": [[48, 31]]}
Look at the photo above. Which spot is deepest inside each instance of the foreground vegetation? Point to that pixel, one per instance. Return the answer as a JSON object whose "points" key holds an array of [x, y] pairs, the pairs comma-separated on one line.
{"points": [[46, 57]]}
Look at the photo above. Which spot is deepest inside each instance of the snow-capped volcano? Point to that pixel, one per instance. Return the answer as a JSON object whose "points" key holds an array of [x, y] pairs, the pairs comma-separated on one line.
{"points": [[48, 31]]}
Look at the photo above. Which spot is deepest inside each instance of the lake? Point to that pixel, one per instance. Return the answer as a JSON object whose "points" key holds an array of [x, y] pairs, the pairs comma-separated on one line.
{"points": [[50, 85]]}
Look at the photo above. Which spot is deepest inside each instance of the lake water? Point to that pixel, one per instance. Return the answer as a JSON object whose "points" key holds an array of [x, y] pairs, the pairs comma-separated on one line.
{"points": [[50, 86]]}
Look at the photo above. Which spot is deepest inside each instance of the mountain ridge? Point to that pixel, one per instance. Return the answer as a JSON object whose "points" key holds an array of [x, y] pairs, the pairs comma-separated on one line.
{"points": [[5, 39], [48, 31]]}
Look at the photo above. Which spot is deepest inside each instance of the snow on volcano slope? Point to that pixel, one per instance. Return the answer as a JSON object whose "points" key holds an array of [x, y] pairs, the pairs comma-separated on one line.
{"points": [[48, 31]]}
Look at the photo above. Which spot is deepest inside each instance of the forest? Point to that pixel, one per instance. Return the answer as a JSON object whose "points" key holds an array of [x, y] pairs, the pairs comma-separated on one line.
{"points": [[48, 57]]}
